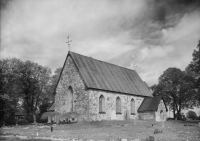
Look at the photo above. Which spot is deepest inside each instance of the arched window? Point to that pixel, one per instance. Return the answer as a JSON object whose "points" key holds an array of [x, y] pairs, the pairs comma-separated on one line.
{"points": [[118, 105], [161, 115], [101, 104], [132, 106], [70, 99]]}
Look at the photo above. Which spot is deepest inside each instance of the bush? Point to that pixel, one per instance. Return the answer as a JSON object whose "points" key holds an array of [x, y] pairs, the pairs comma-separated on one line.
{"points": [[42, 120], [170, 119], [69, 117], [192, 115], [183, 117], [22, 122]]}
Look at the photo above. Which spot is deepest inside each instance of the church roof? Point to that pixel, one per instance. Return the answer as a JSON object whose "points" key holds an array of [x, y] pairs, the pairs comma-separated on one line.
{"points": [[109, 77], [150, 104]]}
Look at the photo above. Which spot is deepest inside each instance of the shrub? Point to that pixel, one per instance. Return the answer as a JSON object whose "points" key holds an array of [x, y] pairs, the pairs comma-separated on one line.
{"points": [[22, 122], [192, 115], [9, 121], [170, 119], [42, 120], [69, 117]]}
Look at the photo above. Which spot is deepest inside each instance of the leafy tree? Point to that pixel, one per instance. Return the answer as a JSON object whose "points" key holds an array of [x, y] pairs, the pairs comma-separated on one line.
{"points": [[54, 78], [27, 82], [9, 86], [176, 87], [194, 69], [34, 80], [50, 88]]}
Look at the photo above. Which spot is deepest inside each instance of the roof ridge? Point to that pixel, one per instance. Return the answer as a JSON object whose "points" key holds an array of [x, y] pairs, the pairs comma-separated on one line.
{"points": [[102, 75], [103, 61]]}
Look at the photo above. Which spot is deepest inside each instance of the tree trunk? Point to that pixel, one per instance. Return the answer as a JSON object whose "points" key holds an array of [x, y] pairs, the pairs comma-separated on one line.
{"points": [[179, 117], [34, 118], [174, 109]]}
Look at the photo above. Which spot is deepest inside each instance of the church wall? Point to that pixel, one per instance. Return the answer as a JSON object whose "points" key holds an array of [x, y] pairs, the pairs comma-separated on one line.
{"points": [[155, 115], [149, 115], [161, 116], [110, 106], [71, 77]]}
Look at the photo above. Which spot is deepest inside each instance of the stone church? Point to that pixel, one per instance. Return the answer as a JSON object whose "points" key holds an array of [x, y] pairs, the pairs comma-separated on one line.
{"points": [[99, 90]]}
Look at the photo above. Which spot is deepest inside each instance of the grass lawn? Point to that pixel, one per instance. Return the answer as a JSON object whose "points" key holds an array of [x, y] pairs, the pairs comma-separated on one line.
{"points": [[111, 130]]}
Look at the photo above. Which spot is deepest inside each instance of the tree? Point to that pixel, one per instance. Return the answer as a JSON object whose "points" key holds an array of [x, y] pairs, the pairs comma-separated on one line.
{"points": [[9, 86], [34, 80], [176, 87], [50, 88], [194, 69], [54, 78]]}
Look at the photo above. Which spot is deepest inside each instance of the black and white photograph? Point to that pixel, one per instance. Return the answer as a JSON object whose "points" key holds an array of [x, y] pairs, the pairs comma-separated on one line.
{"points": [[100, 70]]}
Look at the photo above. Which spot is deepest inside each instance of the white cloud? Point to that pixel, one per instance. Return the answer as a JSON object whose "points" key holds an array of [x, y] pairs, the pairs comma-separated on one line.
{"points": [[37, 30], [121, 32]]}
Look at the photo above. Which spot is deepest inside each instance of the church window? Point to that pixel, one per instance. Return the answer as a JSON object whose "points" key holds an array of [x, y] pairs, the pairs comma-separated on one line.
{"points": [[70, 99], [132, 106], [118, 105], [101, 104]]}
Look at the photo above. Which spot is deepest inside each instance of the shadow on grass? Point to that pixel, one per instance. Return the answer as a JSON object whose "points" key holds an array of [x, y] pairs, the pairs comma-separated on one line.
{"points": [[190, 121]]}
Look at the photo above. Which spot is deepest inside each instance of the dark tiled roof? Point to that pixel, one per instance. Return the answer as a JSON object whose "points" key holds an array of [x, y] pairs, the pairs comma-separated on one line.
{"points": [[149, 104], [52, 107], [105, 76], [19, 113]]}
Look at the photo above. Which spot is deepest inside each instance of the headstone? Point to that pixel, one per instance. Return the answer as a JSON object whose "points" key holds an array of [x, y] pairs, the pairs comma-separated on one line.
{"points": [[151, 138], [49, 119], [127, 115], [156, 131]]}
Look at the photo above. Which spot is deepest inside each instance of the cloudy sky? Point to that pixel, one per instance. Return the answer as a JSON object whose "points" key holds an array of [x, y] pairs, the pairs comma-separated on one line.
{"points": [[152, 34]]}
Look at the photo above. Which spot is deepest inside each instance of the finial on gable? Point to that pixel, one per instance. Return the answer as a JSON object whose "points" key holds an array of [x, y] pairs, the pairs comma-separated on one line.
{"points": [[68, 42]]}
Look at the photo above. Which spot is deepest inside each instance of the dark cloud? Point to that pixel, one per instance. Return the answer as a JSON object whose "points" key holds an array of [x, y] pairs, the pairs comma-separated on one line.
{"points": [[161, 9], [4, 3], [158, 15]]}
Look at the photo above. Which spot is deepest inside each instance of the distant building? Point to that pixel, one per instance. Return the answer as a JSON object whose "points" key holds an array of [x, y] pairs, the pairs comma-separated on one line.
{"points": [[99, 90], [19, 115]]}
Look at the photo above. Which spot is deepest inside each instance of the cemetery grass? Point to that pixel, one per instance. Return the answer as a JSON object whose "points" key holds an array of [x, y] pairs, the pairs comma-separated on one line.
{"points": [[110, 130]]}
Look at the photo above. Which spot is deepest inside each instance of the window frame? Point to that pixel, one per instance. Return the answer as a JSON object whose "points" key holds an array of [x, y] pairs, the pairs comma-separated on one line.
{"points": [[70, 92], [102, 108], [118, 106], [133, 111]]}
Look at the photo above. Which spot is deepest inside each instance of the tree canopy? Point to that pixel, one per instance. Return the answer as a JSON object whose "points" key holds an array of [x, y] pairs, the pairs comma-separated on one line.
{"points": [[194, 69], [181, 89], [29, 83]]}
